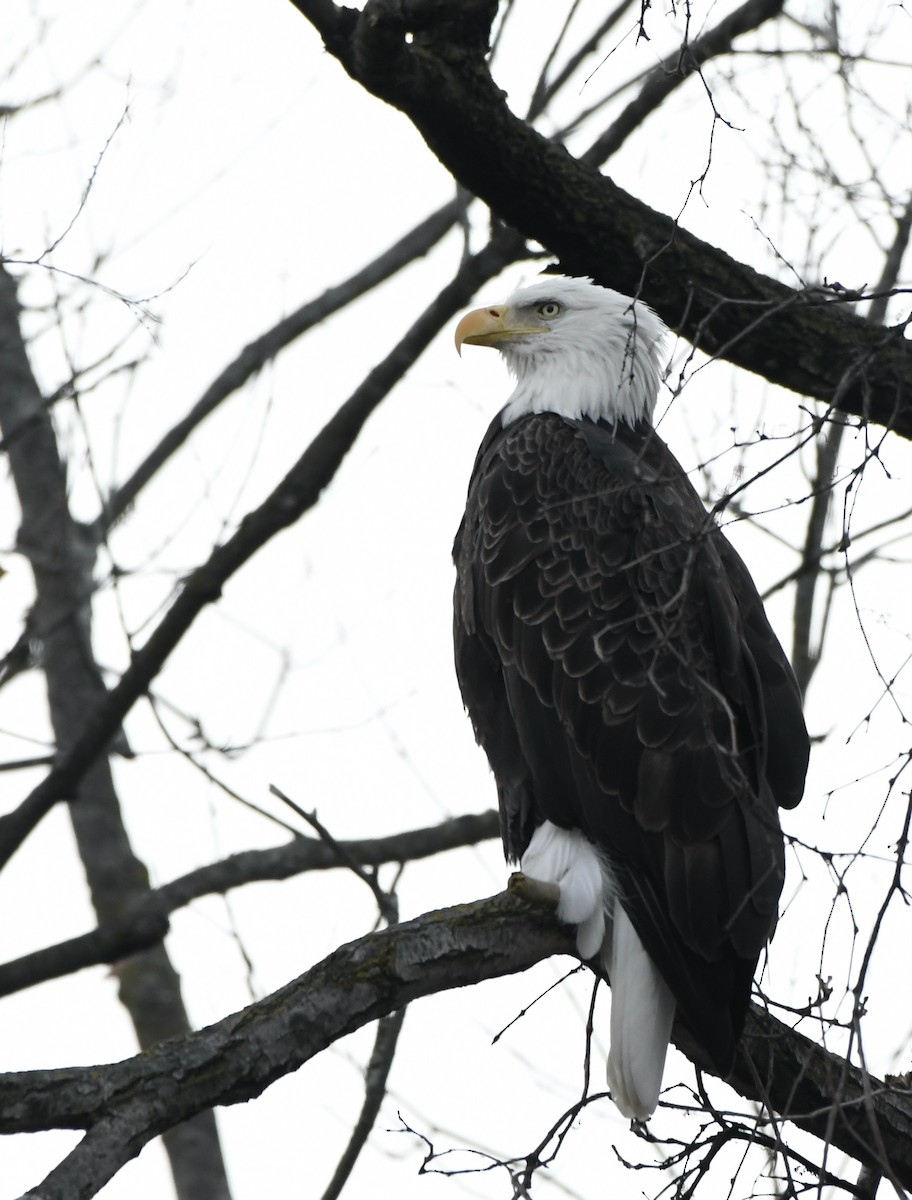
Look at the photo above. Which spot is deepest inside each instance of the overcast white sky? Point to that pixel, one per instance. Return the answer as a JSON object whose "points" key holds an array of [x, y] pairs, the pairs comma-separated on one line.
{"points": [[238, 172]]}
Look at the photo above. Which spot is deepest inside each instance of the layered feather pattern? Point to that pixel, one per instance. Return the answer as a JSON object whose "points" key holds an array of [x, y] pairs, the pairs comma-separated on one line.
{"points": [[624, 681]]}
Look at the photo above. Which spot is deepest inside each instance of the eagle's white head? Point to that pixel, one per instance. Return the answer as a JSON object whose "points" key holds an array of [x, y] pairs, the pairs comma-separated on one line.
{"points": [[575, 348]]}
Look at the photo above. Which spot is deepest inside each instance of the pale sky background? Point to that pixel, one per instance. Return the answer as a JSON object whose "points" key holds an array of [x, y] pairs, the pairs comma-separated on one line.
{"points": [[239, 172]]}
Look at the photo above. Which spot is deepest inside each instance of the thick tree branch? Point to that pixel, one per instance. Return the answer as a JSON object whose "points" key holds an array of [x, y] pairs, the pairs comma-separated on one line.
{"points": [[145, 921], [125, 1104], [432, 67]]}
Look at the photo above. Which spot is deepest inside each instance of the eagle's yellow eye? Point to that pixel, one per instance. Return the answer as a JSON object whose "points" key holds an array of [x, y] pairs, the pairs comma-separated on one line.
{"points": [[549, 309]]}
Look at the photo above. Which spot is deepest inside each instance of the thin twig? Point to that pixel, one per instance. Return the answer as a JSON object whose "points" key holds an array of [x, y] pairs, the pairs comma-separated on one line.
{"points": [[387, 903], [378, 1069], [674, 70]]}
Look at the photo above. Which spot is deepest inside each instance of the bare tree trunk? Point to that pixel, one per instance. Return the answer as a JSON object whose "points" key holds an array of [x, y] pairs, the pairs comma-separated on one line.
{"points": [[62, 557]]}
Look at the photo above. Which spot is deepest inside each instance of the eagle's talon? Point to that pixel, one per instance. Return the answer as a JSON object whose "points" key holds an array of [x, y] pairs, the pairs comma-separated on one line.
{"points": [[534, 891]]}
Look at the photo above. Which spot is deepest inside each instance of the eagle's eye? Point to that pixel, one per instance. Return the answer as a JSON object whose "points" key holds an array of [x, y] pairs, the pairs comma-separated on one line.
{"points": [[549, 309]]}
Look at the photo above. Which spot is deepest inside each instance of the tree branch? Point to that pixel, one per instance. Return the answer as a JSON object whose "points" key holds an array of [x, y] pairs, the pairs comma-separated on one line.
{"points": [[805, 655], [62, 560], [146, 920], [673, 70], [803, 340], [545, 90], [125, 1104], [298, 492], [418, 242], [378, 1069]]}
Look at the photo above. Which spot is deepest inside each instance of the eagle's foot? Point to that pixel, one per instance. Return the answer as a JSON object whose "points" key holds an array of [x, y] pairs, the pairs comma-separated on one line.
{"points": [[534, 891]]}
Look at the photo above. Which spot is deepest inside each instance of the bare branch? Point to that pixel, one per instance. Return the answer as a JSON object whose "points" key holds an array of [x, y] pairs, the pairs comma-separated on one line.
{"points": [[675, 69], [378, 1069], [298, 492], [546, 89], [418, 242], [125, 1104], [62, 563], [597, 229], [146, 920], [387, 902], [805, 656]]}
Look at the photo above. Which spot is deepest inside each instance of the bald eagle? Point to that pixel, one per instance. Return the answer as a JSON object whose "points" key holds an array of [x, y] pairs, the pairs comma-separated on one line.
{"points": [[642, 721]]}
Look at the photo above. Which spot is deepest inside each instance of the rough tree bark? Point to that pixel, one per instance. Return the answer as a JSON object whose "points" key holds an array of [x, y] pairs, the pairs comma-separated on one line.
{"points": [[429, 60], [124, 1105]]}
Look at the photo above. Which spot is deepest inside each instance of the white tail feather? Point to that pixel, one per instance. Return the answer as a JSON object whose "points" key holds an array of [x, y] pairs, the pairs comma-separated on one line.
{"points": [[642, 1010], [642, 1007]]}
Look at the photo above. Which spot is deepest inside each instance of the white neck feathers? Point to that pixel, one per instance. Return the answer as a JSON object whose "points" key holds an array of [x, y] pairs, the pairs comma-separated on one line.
{"points": [[601, 357]]}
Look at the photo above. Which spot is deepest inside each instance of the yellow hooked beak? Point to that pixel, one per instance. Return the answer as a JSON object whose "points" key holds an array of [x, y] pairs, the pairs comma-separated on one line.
{"points": [[491, 327]]}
